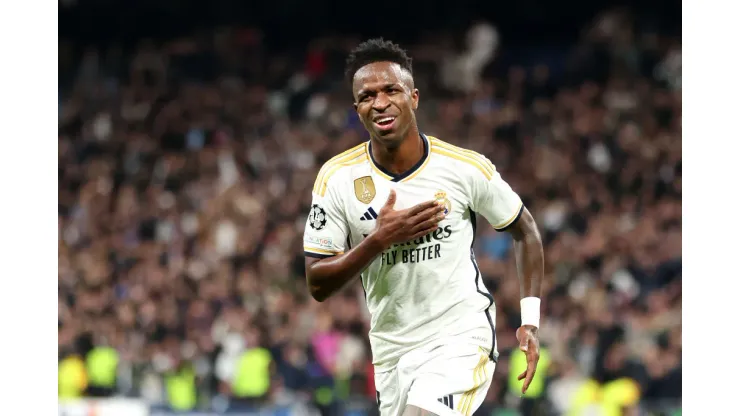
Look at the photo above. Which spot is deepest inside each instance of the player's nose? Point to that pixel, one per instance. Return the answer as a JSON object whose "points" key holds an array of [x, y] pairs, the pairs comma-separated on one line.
{"points": [[381, 103]]}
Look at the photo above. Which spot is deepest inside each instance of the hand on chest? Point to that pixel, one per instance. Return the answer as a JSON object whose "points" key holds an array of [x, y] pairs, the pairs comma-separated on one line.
{"points": [[370, 195]]}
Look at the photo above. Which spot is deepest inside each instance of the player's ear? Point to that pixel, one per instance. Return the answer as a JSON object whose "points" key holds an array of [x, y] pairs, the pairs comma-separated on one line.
{"points": [[415, 99], [354, 105]]}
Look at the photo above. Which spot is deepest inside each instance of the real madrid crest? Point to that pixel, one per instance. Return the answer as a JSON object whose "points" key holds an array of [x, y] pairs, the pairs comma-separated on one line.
{"points": [[442, 197], [365, 189]]}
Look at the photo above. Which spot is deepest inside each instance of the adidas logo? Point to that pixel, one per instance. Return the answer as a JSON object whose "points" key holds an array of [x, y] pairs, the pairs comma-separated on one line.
{"points": [[369, 215]]}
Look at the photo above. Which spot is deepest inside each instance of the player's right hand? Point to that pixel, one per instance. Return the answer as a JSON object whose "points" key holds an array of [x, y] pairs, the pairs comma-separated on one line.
{"points": [[405, 225]]}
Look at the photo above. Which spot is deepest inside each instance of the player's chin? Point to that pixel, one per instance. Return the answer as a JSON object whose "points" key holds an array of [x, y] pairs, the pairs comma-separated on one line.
{"points": [[389, 137], [390, 141]]}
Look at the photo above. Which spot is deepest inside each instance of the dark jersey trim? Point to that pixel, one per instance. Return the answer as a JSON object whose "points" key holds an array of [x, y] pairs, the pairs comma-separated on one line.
{"points": [[417, 166], [518, 215], [473, 222], [317, 255]]}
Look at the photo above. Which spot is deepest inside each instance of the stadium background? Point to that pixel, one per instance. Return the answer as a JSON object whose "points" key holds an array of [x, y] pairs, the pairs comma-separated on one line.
{"points": [[190, 134]]}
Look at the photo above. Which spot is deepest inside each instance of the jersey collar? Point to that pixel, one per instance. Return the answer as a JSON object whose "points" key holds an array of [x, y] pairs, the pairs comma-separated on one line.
{"points": [[405, 175]]}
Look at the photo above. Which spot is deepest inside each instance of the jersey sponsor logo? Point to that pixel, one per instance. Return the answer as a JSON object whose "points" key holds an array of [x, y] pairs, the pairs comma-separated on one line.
{"points": [[422, 249], [322, 242], [442, 197], [317, 217], [440, 233], [365, 189], [370, 214]]}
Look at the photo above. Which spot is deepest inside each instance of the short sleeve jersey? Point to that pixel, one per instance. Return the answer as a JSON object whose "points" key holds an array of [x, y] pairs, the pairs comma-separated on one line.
{"points": [[431, 287]]}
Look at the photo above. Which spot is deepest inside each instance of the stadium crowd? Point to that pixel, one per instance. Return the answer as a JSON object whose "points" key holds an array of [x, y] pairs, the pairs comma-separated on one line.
{"points": [[185, 173]]}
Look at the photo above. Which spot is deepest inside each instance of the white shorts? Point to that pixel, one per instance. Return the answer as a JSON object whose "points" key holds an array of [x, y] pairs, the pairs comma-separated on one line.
{"points": [[450, 379]]}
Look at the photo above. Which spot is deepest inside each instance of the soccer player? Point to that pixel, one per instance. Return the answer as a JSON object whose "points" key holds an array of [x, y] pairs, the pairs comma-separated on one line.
{"points": [[400, 211]]}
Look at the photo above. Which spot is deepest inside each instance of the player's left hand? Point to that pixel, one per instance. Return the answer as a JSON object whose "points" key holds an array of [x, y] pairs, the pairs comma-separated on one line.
{"points": [[529, 343]]}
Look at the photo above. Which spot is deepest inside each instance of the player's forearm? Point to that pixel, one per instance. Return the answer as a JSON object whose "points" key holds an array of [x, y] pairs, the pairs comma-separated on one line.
{"points": [[327, 276], [530, 259], [530, 265]]}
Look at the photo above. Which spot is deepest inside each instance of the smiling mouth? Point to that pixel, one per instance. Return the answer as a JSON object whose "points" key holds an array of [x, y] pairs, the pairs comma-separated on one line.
{"points": [[384, 123]]}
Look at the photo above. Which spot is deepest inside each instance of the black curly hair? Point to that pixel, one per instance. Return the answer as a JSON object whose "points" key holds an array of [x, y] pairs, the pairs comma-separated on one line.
{"points": [[375, 50]]}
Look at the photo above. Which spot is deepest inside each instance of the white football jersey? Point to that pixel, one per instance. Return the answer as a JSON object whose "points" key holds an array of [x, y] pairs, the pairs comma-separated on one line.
{"points": [[430, 288]]}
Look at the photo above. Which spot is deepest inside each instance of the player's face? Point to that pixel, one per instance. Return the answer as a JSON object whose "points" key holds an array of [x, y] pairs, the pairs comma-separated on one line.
{"points": [[385, 100]]}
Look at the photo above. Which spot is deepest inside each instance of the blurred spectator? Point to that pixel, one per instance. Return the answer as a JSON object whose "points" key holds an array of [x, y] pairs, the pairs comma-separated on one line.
{"points": [[461, 71]]}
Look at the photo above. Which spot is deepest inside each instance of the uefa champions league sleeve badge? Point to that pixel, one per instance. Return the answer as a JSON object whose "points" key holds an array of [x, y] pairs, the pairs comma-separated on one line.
{"points": [[317, 217]]}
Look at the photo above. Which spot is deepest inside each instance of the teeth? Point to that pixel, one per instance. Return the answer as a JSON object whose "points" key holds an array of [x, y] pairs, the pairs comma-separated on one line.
{"points": [[385, 119]]}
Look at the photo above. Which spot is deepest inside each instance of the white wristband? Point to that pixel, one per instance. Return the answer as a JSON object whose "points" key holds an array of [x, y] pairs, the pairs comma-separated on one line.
{"points": [[530, 311]]}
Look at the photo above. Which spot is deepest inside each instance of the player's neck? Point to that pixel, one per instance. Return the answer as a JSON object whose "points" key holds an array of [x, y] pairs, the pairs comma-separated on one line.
{"points": [[401, 158]]}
